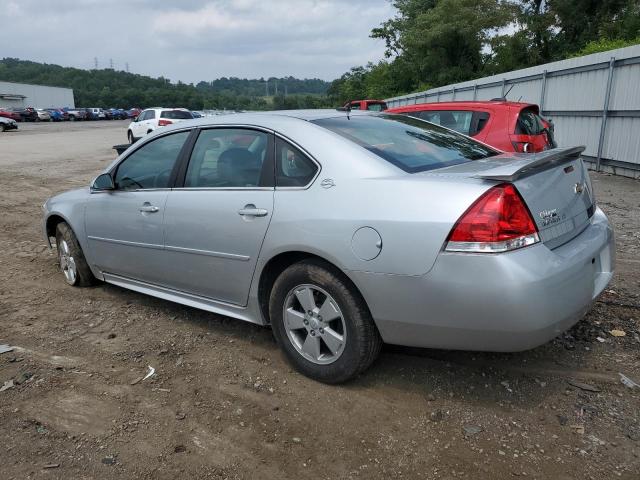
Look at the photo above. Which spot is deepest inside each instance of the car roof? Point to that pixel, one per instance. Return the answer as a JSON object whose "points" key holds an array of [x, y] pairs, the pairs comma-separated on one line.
{"points": [[490, 104], [270, 119]]}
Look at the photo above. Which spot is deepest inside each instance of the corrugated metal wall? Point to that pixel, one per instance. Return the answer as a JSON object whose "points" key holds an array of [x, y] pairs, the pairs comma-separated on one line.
{"points": [[38, 96], [593, 101]]}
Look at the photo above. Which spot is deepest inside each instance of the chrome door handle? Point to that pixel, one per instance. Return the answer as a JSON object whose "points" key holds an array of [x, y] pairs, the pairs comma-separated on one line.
{"points": [[149, 209], [251, 211]]}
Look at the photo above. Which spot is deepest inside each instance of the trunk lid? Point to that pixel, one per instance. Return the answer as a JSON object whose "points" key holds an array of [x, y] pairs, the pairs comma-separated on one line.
{"points": [[554, 184]]}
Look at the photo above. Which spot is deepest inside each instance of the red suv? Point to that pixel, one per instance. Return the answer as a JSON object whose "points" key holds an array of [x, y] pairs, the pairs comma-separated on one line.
{"points": [[372, 105], [507, 126]]}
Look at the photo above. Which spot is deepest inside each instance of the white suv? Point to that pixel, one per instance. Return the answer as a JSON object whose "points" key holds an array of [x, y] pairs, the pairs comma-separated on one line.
{"points": [[152, 118]]}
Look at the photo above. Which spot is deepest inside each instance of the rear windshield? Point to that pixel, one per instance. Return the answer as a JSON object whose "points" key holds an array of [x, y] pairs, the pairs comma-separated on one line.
{"points": [[176, 114], [409, 143], [529, 123]]}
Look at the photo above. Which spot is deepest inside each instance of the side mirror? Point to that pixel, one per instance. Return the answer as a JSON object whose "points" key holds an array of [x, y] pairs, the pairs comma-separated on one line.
{"points": [[103, 182], [136, 118]]}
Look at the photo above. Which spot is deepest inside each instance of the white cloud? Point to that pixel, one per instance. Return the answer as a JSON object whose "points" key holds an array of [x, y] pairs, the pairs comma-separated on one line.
{"points": [[194, 40]]}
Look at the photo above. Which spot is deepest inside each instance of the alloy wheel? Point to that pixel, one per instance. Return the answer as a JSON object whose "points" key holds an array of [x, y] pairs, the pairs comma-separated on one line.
{"points": [[67, 262], [314, 324]]}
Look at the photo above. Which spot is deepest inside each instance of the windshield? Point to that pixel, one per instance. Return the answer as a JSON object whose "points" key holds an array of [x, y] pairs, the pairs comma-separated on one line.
{"points": [[409, 143]]}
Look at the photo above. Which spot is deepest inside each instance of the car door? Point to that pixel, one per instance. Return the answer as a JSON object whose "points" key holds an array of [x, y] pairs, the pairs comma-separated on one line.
{"points": [[125, 226], [216, 221], [138, 127]]}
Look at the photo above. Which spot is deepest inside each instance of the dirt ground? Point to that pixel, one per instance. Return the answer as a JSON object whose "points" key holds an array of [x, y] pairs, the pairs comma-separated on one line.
{"points": [[223, 403]]}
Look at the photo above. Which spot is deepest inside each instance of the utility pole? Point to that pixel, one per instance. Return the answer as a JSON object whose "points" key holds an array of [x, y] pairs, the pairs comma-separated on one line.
{"points": [[276, 86], [266, 87], [111, 63], [95, 63], [126, 67], [285, 89]]}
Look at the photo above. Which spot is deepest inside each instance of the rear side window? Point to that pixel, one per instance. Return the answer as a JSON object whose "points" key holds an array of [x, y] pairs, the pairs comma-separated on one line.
{"points": [[408, 143], [293, 168], [376, 107], [176, 114], [150, 166], [458, 120], [529, 123], [355, 106]]}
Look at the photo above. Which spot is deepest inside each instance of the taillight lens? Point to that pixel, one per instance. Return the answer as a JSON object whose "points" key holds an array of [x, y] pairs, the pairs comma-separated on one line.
{"points": [[163, 123], [499, 221]]}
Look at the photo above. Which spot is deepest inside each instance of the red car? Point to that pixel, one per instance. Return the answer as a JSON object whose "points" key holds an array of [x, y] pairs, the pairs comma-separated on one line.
{"points": [[507, 126], [373, 105], [12, 115]]}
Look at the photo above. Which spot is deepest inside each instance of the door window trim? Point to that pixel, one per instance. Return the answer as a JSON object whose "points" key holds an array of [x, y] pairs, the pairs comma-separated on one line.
{"points": [[268, 166], [187, 145], [306, 153]]}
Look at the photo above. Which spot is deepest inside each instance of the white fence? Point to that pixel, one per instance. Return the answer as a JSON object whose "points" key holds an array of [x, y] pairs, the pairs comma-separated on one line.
{"points": [[593, 101]]}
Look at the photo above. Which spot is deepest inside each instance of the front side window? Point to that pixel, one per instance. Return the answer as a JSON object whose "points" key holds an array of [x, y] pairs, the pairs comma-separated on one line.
{"points": [[293, 168], [151, 165], [228, 158], [409, 143]]}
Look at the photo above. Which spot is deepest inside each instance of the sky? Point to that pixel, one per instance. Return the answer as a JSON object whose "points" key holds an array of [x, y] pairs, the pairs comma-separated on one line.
{"points": [[193, 40]]}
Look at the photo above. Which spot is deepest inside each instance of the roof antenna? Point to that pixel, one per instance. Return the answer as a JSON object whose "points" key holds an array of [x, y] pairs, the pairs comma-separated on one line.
{"points": [[510, 88]]}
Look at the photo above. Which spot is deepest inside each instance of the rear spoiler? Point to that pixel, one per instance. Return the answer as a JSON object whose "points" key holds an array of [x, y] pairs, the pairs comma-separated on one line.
{"points": [[528, 164]]}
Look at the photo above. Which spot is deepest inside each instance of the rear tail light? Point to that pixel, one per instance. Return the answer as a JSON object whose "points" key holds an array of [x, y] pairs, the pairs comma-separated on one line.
{"points": [[163, 123], [499, 221]]}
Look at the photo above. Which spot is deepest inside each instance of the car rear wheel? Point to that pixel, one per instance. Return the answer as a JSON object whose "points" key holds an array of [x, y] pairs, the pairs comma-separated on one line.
{"points": [[322, 323], [3, 127], [72, 262]]}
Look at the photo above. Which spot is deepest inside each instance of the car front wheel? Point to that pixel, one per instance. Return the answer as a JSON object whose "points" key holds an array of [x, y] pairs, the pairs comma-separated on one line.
{"points": [[72, 262], [322, 323]]}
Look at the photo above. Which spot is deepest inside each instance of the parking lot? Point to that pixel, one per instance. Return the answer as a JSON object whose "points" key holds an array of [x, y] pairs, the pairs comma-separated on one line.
{"points": [[223, 403]]}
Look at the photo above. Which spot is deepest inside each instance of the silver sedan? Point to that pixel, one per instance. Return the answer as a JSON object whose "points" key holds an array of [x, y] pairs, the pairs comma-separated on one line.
{"points": [[343, 231]]}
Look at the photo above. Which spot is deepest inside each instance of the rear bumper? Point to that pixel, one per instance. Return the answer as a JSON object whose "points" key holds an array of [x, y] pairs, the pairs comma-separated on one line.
{"points": [[505, 302]]}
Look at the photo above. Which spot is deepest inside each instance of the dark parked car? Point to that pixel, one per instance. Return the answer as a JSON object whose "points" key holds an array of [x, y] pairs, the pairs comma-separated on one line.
{"points": [[7, 124], [115, 114], [28, 114]]}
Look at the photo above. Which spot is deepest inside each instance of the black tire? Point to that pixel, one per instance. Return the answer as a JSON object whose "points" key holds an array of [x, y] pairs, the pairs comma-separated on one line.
{"points": [[130, 137], [363, 342], [83, 277], [3, 127], [72, 118]]}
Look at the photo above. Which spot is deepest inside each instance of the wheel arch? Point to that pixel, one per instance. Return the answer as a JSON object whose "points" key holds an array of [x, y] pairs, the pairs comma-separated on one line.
{"points": [[51, 225], [279, 263]]}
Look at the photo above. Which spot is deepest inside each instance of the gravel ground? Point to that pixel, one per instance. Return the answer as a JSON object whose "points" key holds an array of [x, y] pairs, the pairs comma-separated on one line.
{"points": [[223, 403]]}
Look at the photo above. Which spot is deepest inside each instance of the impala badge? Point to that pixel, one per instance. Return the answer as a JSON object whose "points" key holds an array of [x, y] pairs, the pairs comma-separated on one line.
{"points": [[578, 188], [549, 217], [327, 183]]}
